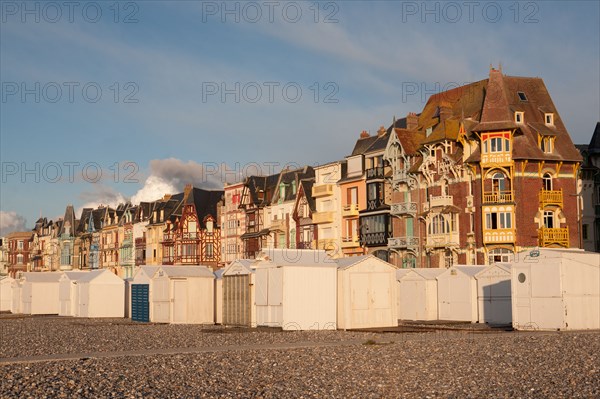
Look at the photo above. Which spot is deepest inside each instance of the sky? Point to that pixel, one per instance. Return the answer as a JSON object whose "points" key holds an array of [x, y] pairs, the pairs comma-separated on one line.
{"points": [[104, 102]]}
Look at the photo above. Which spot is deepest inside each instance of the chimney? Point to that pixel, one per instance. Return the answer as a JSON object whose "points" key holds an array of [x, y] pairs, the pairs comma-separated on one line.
{"points": [[412, 121], [364, 134], [381, 131], [445, 111]]}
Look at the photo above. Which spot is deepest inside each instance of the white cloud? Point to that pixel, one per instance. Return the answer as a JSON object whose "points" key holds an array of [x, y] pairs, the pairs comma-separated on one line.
{"points": [[11, 221]]}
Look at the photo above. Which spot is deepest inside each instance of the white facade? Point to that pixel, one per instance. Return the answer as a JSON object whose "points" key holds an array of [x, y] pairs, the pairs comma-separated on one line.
{"points": [[239, 307], [418, 294], [183, 295], [101, 293], [328, 202], [556, 290], [493, 294], [39, 293], [68, 293], [142, 275], [6, 294], [366, 290], [296, 290], [457, 294]]}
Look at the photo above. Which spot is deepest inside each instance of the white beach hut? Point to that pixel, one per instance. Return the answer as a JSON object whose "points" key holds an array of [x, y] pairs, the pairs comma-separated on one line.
{"points": [[6, 294], [556, 290], [493, 294], [366, 291], [418, 293], [457, 294], [183, 295], [218, 301], [101, 293], [296, 289], [39, 293], [17, 302], [140, 293], [67, 293], [239, 308]]}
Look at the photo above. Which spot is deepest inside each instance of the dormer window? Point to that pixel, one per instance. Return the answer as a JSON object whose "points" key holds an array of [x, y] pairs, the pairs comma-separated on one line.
{"points": [[547, 144], [519, 116], [549, 118], [522, 96], [428, 131]]}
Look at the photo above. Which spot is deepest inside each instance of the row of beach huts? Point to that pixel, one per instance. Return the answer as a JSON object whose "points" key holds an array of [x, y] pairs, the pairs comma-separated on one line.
{"points": [[307, 290]]}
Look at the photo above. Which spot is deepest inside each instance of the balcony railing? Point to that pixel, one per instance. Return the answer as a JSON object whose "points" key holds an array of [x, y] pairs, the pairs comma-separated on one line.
{"points": [[323, 217], [304, 245], [554, 236], [440, 200], [498, 197], [400, 175], [140, 242], [404, 208], [373, 239], [377, 172], [327, 244], [442, 240], [322, 190], [403, 242], [350, 242], [551, 197], [350, 210], [278, 225]]}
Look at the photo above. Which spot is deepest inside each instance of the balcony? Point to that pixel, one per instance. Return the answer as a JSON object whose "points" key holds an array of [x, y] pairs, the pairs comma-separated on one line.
{"points": [[438, 201], [377, 172], [350, 210], [304, 245], [327, 244], [557, 236], [350, 242], [551, 197], [140, 243], [493, 236], [374, 239], [400, 176], [498, 197], [323, 217], [278, 225], [403, 242], [442, 240], [404, 208], [322, 190]]}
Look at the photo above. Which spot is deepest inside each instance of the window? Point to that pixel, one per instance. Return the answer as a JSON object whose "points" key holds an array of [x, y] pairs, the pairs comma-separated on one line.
{"points": [[500, 255], [549, 219], [352, 193], [498, 220], [20, 245], [191, 228], [549, 119], [522, 96], [547, 144], [210, 250], [409, 262], [448, 258], [428, 131], [547, 181], [519, 116], [19, 259], [584, 231], [498, 182], [439, 225]]}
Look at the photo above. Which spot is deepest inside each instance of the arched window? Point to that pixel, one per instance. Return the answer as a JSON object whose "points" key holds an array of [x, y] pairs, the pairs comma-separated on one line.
{"points": [[439, 225], [499, 183], [547, 181]]}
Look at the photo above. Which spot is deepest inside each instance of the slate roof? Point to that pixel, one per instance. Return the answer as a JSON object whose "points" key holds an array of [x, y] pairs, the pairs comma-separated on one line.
{"points": [[70, 218], [594, 146], [205, 202]]}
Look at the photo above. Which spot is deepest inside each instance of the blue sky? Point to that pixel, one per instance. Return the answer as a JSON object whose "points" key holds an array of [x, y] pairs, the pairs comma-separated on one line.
{"points": [[163, 119]]}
